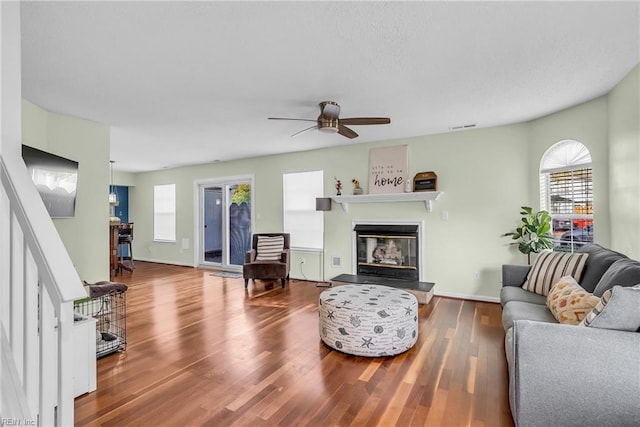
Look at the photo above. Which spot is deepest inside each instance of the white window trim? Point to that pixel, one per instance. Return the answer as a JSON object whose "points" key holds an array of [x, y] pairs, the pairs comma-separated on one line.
{"points": [[545, 180], [198, 188]]}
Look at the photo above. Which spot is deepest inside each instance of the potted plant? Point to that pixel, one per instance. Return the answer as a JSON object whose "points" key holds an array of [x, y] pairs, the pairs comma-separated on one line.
{"points": [[534, 234]]}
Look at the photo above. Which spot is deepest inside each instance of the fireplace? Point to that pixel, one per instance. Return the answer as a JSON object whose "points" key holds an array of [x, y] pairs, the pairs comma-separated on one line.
{"points": [[388, 250], [388, 253]]}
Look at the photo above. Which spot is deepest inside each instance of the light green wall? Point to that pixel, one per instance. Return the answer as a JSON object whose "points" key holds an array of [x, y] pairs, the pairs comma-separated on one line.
{"points": [[483, 174], [624, 171], [126, 179], [86, 236], [586, 123]]}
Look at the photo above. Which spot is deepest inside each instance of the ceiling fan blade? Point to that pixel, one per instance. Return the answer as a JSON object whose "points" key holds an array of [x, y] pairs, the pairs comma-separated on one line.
{"points": [[288, 118], [366, 121], [304, 130], [345, 131]]}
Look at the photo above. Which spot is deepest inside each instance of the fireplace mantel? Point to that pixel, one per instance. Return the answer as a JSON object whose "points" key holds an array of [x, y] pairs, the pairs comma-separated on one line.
{"points": [[419, 196]]}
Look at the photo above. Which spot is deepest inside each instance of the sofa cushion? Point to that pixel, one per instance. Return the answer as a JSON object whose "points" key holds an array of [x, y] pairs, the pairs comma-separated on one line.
{"points": [[269, 248], [624, 272], [600, 259], [619, 309], [514, 293], [549, 267], [518, 310], [569, 302]]}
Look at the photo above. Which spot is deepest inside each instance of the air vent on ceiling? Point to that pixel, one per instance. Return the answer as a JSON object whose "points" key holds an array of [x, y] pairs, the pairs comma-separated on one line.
{"points": [[462, 127]]}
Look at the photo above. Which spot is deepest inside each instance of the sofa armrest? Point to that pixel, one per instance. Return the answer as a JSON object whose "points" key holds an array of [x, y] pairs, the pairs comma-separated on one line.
{"points": [[514, 275], [567, 375]]}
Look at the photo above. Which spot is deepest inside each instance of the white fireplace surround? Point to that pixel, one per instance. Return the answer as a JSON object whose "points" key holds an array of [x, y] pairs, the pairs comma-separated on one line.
{"points": [[421, 248]]}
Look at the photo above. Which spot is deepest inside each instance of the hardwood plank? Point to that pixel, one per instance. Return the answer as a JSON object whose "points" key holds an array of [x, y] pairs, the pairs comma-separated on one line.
{"points": [[202, 350]]}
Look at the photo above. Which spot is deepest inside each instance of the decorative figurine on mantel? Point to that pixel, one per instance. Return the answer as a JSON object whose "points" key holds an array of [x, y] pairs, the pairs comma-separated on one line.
{"points": [[338, 186], [356, 186]]}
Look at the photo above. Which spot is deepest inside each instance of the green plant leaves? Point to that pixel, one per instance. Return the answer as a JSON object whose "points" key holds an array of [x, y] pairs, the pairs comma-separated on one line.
{"points": [[534, 235]]}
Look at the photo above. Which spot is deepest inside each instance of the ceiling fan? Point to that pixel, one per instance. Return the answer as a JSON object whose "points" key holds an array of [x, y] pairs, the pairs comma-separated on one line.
{"points": [[328, 121]]}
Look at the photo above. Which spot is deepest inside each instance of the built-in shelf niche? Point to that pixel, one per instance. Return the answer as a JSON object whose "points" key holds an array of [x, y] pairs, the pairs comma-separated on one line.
{"points": [[419, 196]]}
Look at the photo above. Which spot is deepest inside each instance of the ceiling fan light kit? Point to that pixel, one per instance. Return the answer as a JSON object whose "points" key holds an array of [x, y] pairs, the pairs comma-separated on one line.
{"points": [[329, 121], [328, 125]]}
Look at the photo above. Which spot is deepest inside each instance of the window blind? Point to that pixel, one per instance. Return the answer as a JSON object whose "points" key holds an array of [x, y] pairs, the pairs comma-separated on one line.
{"points": [[301, 220]]}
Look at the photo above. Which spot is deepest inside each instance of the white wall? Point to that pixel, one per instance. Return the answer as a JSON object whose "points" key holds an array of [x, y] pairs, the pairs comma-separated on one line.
{"points": [[10, 80]]}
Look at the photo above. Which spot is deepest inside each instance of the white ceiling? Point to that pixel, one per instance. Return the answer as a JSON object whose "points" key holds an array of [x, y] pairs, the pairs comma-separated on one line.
{"points": [[182, 83]]}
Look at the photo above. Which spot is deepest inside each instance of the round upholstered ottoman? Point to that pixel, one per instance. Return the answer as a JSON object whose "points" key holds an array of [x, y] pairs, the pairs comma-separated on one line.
{"points": [[368, 320]]}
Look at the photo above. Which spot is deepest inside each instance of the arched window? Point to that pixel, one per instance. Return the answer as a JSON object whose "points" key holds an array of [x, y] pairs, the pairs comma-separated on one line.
{"points": [[566, 192]]}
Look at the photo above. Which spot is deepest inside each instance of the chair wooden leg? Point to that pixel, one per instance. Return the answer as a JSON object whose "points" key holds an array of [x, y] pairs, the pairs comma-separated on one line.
{"points": [[246, 283], [282, 282], [133, 266]]}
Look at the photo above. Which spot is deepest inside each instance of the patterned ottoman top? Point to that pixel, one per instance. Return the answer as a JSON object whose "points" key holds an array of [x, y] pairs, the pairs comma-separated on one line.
{"points": [[368, 320], [365, 297]]}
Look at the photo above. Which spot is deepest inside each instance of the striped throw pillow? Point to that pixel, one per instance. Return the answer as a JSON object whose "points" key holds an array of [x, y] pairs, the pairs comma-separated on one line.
{"points": [[550, 267], [269, 248], [617, 309]]}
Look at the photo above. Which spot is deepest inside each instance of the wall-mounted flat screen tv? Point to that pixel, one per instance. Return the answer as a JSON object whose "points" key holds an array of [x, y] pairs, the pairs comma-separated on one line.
{"points": [[56, 179]]}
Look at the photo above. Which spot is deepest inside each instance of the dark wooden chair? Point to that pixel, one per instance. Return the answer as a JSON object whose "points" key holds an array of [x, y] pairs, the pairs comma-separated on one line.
{"points": [[125, 240], [276, 264]]}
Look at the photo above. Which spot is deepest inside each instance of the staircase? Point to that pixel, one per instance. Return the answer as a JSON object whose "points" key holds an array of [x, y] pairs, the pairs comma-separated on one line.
{"points": [[38, 284]]}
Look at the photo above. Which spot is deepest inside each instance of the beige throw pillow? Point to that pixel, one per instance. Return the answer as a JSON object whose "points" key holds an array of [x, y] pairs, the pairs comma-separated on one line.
{"points": [[550, 267], [569, 302]]}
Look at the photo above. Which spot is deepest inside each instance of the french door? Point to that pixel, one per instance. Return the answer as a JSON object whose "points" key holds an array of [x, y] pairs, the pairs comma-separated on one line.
{"points": [[225, 222]]}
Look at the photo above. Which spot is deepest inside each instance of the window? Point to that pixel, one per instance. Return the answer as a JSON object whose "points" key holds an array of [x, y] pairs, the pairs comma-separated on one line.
{"points": [[164, 213], [566, 192], [301, 219]]}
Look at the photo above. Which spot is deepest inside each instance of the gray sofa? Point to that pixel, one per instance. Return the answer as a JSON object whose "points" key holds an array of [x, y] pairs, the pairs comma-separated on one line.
{"points": [[566, 375]]}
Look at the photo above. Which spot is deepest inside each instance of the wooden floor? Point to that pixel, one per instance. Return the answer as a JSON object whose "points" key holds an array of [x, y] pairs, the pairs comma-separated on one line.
{"points": [[203, 351]]}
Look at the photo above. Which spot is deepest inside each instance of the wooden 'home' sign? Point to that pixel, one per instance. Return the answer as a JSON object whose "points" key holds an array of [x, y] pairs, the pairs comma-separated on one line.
{"points": [[388, 169]]}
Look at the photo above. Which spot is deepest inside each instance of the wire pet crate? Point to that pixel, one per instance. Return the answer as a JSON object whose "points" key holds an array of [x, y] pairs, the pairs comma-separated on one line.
{"points": [[107, 303]]}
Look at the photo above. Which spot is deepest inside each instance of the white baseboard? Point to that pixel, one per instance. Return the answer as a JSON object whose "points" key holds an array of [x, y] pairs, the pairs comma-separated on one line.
{"points": [[309, 279], [158, 261], [481, 298], [466, 296]]}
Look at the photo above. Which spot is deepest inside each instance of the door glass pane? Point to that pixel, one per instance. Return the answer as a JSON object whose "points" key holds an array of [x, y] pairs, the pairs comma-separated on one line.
{"points": [[213, 211], [239, 196]]}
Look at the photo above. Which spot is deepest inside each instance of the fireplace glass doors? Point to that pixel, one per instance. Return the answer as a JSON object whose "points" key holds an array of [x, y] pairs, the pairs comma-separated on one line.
{"points": [[388, 251]]}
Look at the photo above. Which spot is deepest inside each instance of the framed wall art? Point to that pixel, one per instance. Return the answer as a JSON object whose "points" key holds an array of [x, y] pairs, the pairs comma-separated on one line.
{"points": [[388, 168]]}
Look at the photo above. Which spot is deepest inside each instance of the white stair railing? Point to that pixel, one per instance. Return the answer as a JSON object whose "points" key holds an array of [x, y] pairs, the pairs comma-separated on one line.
{"points": [[38, 284]]}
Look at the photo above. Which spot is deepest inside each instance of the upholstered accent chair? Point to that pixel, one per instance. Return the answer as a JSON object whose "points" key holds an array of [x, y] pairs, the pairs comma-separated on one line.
{"points": [[268, 258]]}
